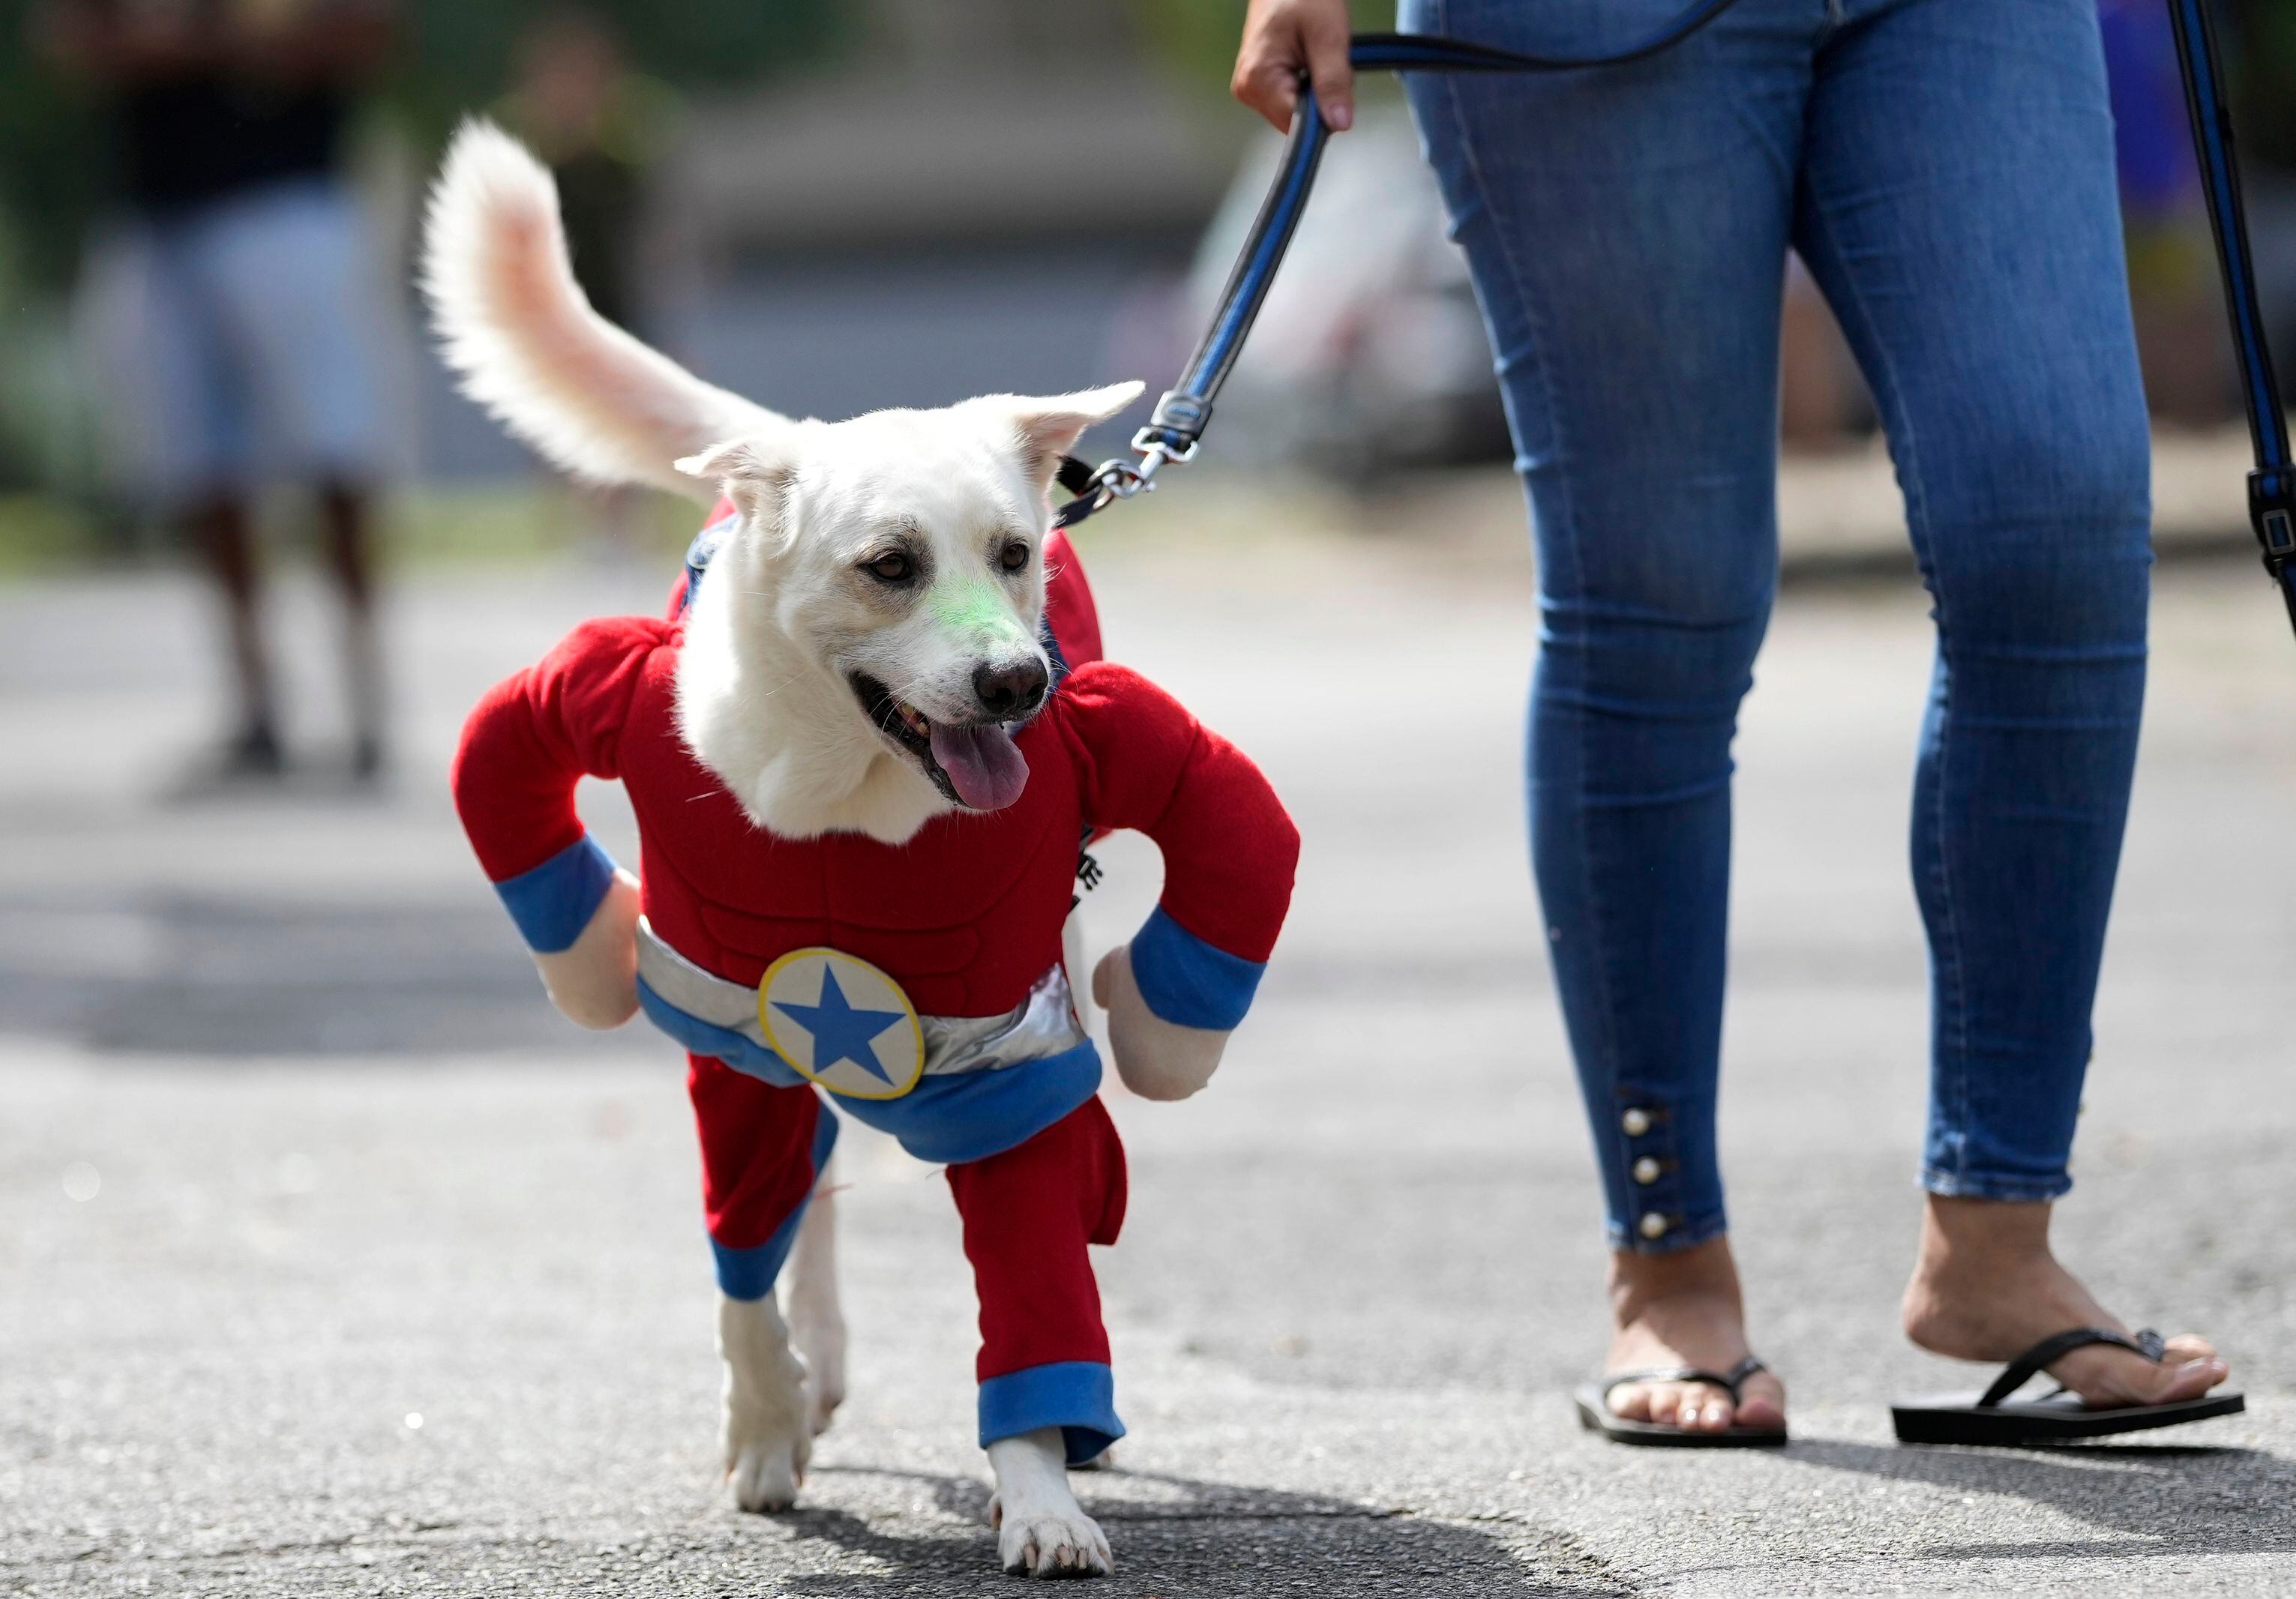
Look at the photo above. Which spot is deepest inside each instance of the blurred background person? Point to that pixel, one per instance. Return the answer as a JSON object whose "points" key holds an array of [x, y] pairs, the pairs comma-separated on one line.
{"points": [[599, 126], [240, 318]]}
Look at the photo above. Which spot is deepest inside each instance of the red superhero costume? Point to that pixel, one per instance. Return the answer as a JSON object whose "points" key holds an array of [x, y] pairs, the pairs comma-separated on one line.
{"points": [[961, 925]]}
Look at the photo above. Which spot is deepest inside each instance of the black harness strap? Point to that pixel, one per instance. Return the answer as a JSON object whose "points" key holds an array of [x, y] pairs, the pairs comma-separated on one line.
{"points": [[1077, 480]]}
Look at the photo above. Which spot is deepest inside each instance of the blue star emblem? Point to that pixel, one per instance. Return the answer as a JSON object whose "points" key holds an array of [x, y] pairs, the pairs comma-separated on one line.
{"points": [[841, 1032]]}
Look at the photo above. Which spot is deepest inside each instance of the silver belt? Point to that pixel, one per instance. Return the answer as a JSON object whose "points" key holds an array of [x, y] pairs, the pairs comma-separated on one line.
{"points": [[1042, 1024]]}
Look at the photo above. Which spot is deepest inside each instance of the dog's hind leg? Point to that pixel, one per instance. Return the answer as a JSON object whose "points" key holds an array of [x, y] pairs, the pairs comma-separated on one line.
{"points": [[817, 1319], [1073, 956], [766, 1436]]}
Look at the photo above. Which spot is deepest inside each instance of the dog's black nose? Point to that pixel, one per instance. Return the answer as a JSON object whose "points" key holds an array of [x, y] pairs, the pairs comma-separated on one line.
{"points": [[1009, 691]]}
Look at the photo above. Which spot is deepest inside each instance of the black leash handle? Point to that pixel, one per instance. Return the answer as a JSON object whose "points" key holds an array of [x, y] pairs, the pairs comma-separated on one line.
{"points": [[2272, 485], [1182, 413]]}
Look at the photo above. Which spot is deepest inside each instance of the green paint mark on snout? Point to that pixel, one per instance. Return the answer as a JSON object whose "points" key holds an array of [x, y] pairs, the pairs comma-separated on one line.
{"points": [[971, 606]]}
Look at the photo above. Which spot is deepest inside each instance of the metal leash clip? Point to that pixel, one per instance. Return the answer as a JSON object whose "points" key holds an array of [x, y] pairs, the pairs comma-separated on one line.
{"points": [[1124, 478], [1117, 479]]}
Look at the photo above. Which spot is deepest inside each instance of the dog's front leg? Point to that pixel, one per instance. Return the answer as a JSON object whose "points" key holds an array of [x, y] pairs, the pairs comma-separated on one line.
{"points": [[1041, 1528], [817, 1320], [766, 1438]]}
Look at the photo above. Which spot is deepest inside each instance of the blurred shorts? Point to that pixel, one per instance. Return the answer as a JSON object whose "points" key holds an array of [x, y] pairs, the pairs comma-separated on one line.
{"points": [[237, 343]]}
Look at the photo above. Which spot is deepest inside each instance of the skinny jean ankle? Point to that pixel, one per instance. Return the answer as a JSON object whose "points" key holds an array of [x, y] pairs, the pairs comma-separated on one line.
{"points": [[1944, 169]]}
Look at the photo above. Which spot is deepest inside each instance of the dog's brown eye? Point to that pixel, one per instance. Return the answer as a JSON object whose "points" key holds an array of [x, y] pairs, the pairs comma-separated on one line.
{"points": [[1015, 557], [893, 568]]}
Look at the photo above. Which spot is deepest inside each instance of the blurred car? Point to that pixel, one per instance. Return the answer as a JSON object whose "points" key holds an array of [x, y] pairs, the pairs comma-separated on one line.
{"points": [[1369, 354]]}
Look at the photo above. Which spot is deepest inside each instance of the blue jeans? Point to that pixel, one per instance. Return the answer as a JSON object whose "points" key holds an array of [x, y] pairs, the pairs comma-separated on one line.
{"points": [[1945, 168]]}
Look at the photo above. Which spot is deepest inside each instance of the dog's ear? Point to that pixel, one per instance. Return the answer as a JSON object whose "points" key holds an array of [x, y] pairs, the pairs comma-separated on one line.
{"points": [[754, 473], [1048, 428]]}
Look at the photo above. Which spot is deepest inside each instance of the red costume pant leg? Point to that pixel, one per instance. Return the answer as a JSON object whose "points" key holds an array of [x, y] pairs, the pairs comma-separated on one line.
{"points": [[763, 1149], [1029, 1213]]}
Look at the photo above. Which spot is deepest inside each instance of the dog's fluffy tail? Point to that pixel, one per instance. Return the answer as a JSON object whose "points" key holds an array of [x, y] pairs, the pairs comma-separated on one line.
{"points": [[517, 327]]}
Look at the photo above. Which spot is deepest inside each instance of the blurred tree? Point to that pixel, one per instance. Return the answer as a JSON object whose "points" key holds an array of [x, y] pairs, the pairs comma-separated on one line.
{"points": [[930, 34], [1197, 38], [2261, 40], [53, 160], [461, 53]]}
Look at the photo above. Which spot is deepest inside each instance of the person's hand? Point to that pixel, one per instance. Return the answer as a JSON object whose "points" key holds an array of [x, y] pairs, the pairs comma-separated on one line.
{"points": [[1284, 39], [1157, 1058]]}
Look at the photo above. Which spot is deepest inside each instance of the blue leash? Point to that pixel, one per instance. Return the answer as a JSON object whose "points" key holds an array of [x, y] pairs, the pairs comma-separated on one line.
{"points": [[2272, 485], [1177, 423]]}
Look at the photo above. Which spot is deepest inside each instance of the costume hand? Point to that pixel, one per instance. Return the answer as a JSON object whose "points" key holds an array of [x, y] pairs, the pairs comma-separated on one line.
{"points": [[594, 979], [1157, 1058], [1284, 39]]}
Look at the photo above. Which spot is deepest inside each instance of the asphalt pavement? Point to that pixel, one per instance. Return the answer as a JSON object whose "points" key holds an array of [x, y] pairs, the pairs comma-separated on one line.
{"points": [[330, 1262]]}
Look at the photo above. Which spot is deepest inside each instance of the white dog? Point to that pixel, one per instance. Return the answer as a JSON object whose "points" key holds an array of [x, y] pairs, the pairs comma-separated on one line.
{"points": [[778, 645]]}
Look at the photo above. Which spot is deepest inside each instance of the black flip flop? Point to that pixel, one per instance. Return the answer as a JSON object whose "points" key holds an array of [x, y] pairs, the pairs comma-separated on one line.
{"points": [[1595, 1414], [1993, 1417]]}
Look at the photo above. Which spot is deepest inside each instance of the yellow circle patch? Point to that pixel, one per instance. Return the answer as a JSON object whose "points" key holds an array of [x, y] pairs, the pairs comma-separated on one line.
{"points": [[842, 1022]]}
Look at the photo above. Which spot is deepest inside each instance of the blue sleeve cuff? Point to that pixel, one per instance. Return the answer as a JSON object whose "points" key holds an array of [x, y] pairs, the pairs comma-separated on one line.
{"points": [[749, 1273], [1078, 1396], [1189, 982], [554, 902]]}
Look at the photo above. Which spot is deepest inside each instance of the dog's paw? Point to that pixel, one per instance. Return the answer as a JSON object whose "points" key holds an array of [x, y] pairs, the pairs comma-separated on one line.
{"points": [[764, 1473], [1041, 1530], [767, 1437], [1049, 1540], [767, 1448]]}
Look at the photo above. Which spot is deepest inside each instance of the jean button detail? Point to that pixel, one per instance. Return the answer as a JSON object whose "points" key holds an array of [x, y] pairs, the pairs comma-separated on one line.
{"points": [[1637, 1122], [1653, 1224], [1646, 1170]]}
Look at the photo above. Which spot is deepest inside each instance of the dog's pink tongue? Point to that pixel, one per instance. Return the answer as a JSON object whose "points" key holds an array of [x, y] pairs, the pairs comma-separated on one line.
{"points": [[985, 767]]}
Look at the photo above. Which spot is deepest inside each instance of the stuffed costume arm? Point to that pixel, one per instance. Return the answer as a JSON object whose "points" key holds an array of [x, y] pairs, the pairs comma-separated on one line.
{"points": [[1180, 986], [532, 738]]}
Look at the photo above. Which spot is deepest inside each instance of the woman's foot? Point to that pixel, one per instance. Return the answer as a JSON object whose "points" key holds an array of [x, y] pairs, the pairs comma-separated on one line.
{"points": [[1987, 1288], [1684, 1309]]}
